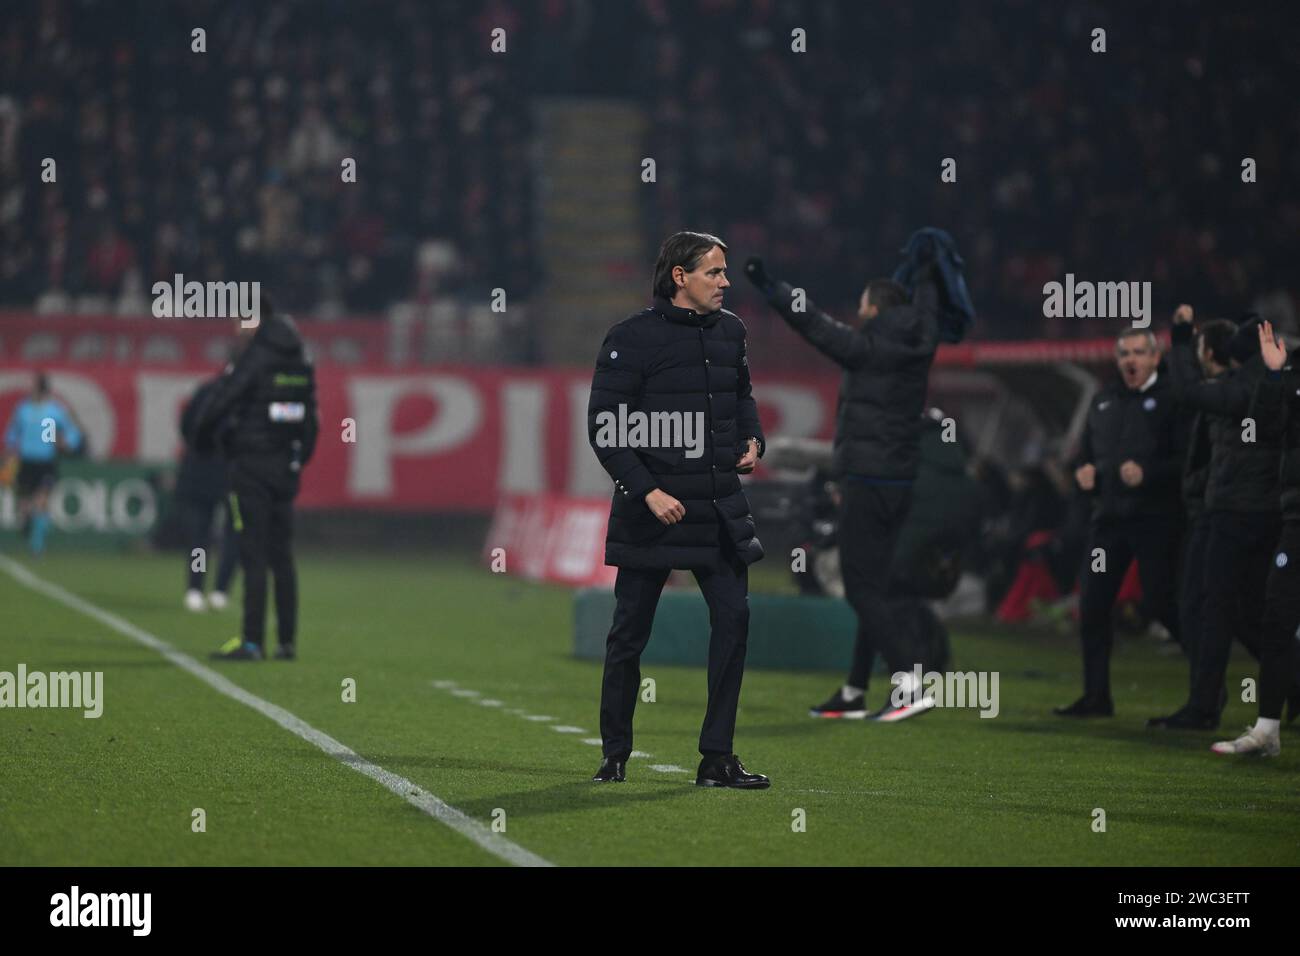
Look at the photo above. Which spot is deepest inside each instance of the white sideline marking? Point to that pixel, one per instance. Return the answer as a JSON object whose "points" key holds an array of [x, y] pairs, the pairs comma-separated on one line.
{"points": [[668, 768], [451, 685], [430, 803], [489, 703]]}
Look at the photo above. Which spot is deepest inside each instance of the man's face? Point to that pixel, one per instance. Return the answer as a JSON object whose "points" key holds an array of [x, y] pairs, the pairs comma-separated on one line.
{"points": [[702, 289], [1136, 360]]}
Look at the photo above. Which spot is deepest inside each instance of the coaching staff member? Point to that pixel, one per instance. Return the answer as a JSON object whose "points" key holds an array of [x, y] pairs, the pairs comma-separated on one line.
{"points": [[685, 354], [1242, 499], [1212, 340], [886, 362], [265, 404], [1276, 408], [1130, 463]]}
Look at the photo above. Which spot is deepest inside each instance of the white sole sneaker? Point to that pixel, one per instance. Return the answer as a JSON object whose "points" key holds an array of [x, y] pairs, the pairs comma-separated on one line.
{"points": [[892, 715], [1259, 745], [217, 601], [194, 601]]}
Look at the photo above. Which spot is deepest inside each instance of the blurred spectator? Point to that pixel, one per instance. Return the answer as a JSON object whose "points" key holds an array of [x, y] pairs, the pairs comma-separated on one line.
{"points": [[1123, 165]]}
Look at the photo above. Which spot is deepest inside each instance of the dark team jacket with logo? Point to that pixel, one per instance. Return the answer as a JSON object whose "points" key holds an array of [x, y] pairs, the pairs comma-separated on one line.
{"points": [[1277, 410], [1149, 428], [668, 359], [265, 404], [1243, 474]]}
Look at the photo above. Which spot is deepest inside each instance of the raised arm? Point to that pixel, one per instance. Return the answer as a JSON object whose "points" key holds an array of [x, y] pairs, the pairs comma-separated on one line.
{"points": [[849, 347], [1226, 395]]}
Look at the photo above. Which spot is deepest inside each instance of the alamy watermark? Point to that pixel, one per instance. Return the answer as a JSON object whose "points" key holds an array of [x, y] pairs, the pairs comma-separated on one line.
{"points": [[1098, 300], [75, 908], [75, 689], [948, 689], [638, 429], [208, 300]]}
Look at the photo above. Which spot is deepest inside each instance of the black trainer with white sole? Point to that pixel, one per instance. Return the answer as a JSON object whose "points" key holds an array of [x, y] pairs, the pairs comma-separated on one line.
{"points": [[841, 707]]}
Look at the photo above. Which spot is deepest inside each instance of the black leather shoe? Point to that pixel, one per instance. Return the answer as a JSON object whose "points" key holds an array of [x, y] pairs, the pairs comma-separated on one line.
{"points": [[612, 770], [728, 771], [1087, 707], [1184, 719]]}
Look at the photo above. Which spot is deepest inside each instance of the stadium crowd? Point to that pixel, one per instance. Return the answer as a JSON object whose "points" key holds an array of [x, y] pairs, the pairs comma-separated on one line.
{"points": [[824, 161]]}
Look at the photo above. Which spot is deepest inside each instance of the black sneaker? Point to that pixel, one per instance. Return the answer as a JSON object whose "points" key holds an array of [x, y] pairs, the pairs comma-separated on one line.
{"points": [[728, 771], [1087, 707], [839, 706], [286, 652], [236, 649]]}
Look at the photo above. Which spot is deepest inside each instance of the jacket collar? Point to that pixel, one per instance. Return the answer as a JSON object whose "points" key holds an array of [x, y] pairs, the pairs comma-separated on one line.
{"points": [[684, 316]]}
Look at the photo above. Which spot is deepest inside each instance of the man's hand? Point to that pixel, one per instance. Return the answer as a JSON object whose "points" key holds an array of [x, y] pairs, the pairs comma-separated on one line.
{"points": [[1086, 476], [1183, 314], [1272, 350], [748, 459], [665, 507], [1130, 473]]}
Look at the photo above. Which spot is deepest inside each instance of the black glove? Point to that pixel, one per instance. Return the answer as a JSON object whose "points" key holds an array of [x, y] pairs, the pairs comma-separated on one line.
{"points": [[757, 274]]}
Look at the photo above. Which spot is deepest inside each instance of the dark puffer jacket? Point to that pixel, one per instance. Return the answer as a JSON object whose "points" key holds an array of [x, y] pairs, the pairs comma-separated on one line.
{"points": [[668, 359], [265, 403], [1243, 474], [1277, 410], [886, 364]]}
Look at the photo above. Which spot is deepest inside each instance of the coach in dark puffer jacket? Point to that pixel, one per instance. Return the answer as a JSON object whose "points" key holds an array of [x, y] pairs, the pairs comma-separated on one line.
{"points": [[677, 374]]}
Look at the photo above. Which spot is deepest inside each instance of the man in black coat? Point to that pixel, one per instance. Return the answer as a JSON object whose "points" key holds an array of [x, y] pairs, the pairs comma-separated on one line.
{"points": [[1212, 339], [886, 362], [265, 406], [672, 420], [1276, 409], [1242, 501], [1130, 462]]}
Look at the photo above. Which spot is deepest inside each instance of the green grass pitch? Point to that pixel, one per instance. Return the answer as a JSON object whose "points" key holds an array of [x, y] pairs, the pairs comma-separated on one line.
{"points": [[948, 788]]}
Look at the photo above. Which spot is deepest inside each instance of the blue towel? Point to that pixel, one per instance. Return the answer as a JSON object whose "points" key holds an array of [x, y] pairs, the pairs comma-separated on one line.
{"points": [[934, 246]]}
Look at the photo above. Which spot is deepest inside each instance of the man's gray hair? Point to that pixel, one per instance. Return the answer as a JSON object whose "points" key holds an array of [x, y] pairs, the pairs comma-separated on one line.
{"points": [[1133, 333]]}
